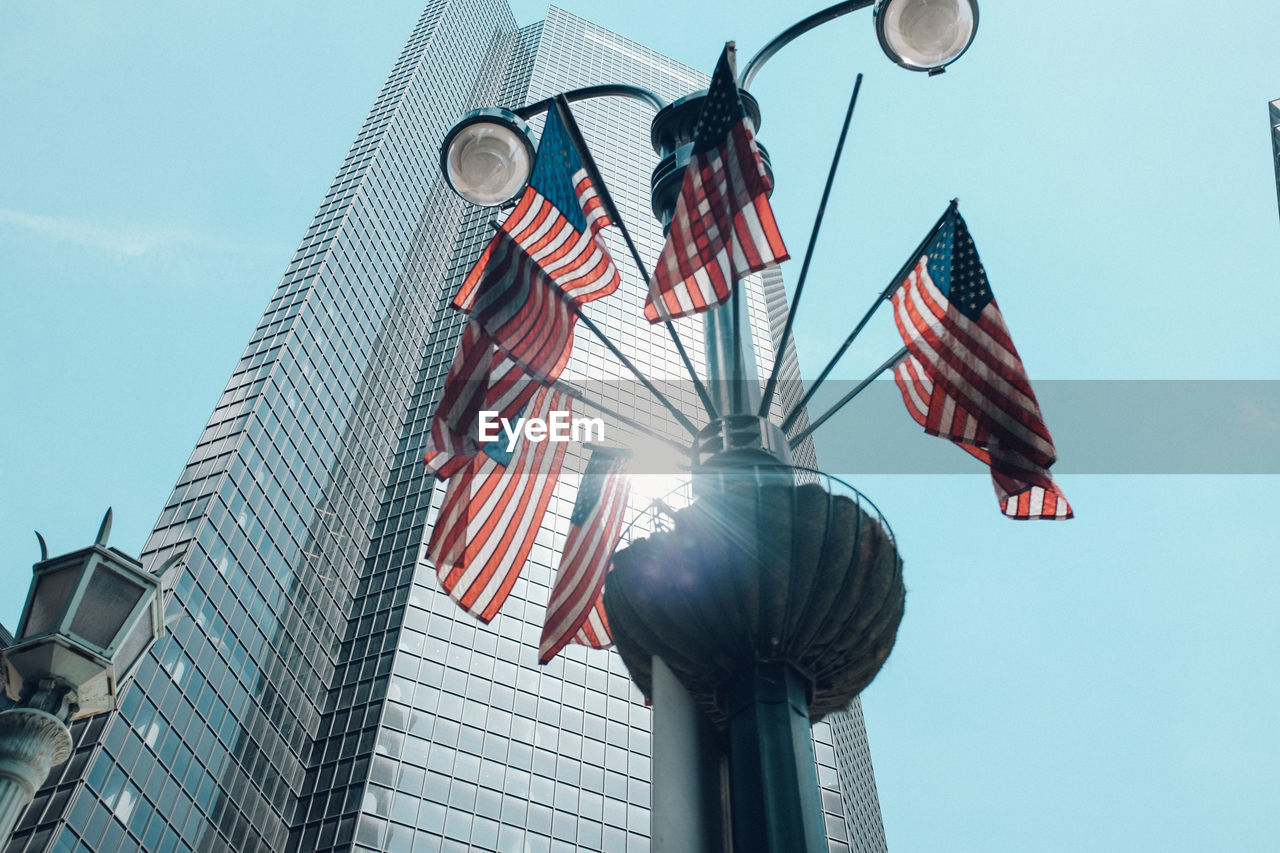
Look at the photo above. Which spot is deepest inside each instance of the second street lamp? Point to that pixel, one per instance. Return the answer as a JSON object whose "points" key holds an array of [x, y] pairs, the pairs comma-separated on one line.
{"points": [[89, 618]]}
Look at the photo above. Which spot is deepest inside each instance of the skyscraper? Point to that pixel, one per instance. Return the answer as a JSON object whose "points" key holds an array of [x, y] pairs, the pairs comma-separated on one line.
{"points": [[315, 690], [1273, 109]]}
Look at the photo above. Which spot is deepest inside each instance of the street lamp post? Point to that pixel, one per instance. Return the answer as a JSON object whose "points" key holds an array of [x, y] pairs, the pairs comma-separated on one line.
{"points": [[790, 596], [89, 618]]}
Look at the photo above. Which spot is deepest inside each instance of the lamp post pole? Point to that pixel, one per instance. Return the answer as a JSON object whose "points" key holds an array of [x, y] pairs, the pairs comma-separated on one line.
{"points": [[773, 800], [772, 803], [33, 739]]}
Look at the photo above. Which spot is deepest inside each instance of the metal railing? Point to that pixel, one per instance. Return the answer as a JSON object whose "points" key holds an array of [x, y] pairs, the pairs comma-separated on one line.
{"points": [[658, 516]]}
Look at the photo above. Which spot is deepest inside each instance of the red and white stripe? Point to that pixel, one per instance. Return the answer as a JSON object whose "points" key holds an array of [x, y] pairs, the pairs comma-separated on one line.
{"points": [[963, 380], [594, 632], [524, 313], [578, 263], [532, 276], [575, 612], [592, 205], [491, 516]]}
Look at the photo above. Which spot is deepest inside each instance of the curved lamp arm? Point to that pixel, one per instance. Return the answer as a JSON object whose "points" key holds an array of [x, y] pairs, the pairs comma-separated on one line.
{"points": [[620, 90], [919, 35], [488, 155], [793, 32]]}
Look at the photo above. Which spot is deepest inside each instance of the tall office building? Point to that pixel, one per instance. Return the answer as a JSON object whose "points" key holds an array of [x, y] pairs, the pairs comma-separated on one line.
{"points": [[1273, 110], [315, 690]]}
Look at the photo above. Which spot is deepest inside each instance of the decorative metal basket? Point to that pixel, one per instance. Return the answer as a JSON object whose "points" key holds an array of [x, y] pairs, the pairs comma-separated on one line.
{"points": [[761, 573]]}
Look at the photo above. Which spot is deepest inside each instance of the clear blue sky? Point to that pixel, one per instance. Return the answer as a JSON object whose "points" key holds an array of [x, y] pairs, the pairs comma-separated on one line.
{"points": [[1108, 684]]}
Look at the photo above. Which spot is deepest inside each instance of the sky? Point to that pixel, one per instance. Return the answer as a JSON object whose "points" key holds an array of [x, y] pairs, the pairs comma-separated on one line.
{"points": [[1104, 684]]}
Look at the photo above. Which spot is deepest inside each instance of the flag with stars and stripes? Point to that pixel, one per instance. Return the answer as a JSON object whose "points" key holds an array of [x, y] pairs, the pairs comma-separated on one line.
{"points": [[545, 261], [723, 227], [575, 613], [492, 513], [962, 378]]}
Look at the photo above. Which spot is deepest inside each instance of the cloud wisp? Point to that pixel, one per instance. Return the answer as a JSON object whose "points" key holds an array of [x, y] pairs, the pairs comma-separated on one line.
{"points": [[129, 241]]}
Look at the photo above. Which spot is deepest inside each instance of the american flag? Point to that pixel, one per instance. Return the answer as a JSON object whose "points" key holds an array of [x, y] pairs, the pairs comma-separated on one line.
{"points": [[480, 378], [575, 613], [492, 512], [521, 295], [545, 261], [962, 378], [723, 226]]}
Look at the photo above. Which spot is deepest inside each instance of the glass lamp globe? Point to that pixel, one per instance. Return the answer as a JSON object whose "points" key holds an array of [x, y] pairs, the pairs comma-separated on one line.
{"points": [[488, 156], [926, 35]]}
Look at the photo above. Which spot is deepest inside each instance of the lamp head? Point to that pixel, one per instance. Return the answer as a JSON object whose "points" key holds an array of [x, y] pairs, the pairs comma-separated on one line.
{"points": [[926, 35], [89, 618], [488, 156]]}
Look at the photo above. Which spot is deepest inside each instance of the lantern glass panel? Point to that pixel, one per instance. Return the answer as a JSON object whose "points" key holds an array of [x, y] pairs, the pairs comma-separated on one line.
{"points": [[49, 600], [133, 647], [107, 603]]}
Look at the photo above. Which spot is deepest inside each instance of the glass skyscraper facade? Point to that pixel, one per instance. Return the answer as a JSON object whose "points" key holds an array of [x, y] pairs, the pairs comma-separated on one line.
{"points": [[314, 689], [1273, 110]]}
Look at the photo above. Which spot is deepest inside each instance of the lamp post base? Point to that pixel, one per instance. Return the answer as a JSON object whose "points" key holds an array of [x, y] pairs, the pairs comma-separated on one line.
{"points": [[689, 810], [31, 742], [774, 796]]}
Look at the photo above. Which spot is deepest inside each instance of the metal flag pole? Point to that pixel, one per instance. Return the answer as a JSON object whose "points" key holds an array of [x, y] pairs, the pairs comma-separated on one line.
{"points": [[858, 389], [893, 285], [808, 255], [728, 352], [561, 105], [738, 404]]}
